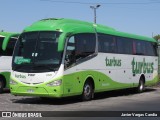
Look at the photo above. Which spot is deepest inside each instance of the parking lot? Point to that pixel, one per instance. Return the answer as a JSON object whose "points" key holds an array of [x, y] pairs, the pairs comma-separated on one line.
{"points": [[124, 100]]}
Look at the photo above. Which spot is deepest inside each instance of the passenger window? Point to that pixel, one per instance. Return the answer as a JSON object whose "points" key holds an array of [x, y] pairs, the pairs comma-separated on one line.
{"points": [[124, 45], [150, 49], [140, 47], [85, 45], [79, 46], [1, 42], [106, 43], [70, 52], [10, 47]]}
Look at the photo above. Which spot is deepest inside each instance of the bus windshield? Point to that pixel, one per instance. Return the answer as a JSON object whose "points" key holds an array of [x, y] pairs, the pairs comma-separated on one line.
{"points": [[37, 52]]}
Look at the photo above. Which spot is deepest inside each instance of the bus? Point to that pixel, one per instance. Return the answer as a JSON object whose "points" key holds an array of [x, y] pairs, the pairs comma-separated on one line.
{"points": [[7, 42], [64, 57]]}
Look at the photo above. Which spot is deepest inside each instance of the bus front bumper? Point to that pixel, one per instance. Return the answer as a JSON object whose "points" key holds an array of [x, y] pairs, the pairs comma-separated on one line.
{"points": [[40, 91]]}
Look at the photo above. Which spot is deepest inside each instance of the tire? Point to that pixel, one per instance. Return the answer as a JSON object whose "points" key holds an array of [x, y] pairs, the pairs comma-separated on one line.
{"points": [[1, 85], [88, 91], [141, 86], [44, 98]]}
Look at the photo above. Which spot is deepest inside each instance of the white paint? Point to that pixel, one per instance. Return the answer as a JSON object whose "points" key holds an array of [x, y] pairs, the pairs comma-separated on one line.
{"points": [[5, 63], [122, 74]]}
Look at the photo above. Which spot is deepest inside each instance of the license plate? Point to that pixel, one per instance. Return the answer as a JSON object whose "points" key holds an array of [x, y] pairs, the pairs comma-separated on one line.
{"points": [[30, 91]]}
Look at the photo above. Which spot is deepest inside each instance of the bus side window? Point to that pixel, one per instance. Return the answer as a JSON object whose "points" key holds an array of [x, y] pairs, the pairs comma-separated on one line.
{"points": [[79, 46], [140, 47], [1, 41], [150, 49], [70, 52], [106, 43], [10, 47], [85, 45], [125, 46]]}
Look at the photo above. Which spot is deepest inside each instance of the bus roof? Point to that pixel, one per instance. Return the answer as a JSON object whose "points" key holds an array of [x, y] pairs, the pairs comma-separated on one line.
{"points": [[77, 26], [4, 34], [7, 36]]}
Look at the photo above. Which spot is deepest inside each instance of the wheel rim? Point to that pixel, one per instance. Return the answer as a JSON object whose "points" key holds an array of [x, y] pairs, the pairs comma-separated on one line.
{"points": [[141, 87], [87, 91]]}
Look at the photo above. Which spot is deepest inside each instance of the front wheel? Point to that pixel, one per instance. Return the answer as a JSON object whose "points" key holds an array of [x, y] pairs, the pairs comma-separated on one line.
{"points": [[88, 91], [141, 86]]}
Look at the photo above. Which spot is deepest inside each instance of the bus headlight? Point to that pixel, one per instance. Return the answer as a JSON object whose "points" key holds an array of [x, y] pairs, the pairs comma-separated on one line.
{"points": [[55, 83], [12, 82]]}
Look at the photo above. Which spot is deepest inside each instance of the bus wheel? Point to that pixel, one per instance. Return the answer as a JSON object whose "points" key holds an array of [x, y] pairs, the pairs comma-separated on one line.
{"points": [[1, 85], [87, 91], [141, 86]]}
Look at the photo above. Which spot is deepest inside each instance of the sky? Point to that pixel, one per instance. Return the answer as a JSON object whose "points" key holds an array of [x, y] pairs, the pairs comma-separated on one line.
{"points": [[140, 17]]}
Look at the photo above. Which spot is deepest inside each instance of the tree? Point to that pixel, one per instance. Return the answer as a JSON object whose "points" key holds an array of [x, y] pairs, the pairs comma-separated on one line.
{"points": [[157, 37]]}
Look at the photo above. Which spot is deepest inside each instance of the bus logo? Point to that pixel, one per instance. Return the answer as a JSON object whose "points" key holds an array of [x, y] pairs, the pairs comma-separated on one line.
{"points": [[31, 74], [113, 62], [142, 67], [20, 76]]}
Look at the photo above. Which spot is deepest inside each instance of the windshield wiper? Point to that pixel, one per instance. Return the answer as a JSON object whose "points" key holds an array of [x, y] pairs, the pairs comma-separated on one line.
{"points": [[19, 66]]}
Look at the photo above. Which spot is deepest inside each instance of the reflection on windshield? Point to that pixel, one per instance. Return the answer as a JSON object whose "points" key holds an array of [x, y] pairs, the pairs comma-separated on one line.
{"points": [[37, 51]]}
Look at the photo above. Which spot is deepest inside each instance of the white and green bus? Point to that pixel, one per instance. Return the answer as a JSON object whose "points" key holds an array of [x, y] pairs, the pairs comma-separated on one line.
{"points": [[64, 57], [7, 42]]}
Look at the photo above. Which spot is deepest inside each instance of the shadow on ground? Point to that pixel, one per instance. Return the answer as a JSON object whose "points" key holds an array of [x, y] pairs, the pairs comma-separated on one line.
{"points": [[6, 90], [76, 99], [124, 92]]}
